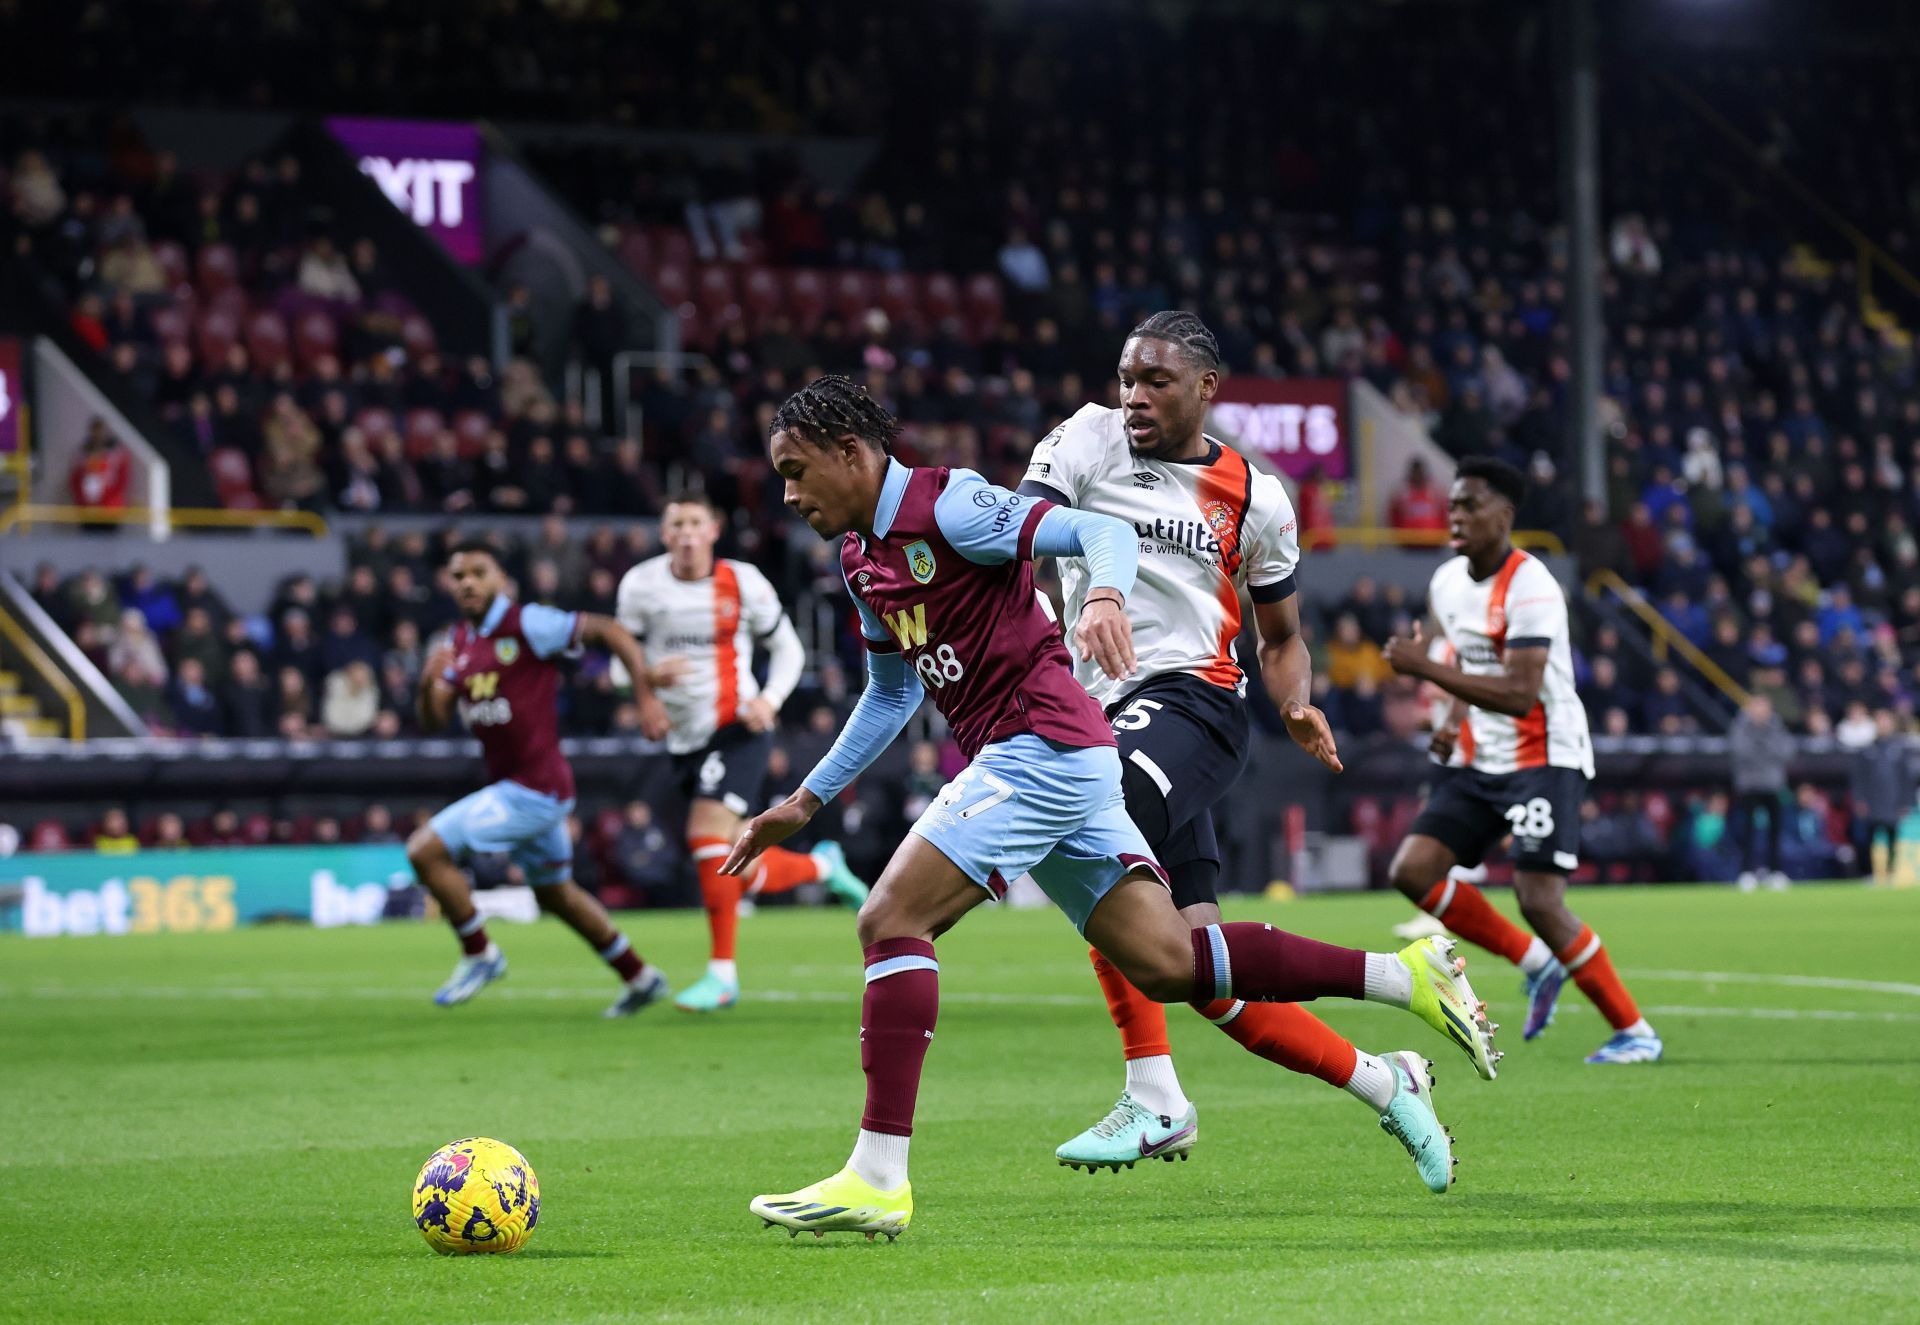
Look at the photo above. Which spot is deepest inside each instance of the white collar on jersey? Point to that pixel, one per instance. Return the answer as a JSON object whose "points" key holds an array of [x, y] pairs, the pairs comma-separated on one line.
{"points": [[491, 622], [892, 492]]}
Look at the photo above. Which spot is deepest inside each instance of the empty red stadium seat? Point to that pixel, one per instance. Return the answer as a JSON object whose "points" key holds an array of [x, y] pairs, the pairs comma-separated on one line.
{"points": [[172, 259], [984, 304], [218, 331], [216, 268], [248, 500], [853, 294], [760, 293], [899, 298], [423, 429], [693, 328], [374, 422], [471, 427], [806, 297], [940, 297], [636, 251], [231, 471], [48, 835], [266, 333], [314, 335], [672, 246], [671, 283], [714, 290]]}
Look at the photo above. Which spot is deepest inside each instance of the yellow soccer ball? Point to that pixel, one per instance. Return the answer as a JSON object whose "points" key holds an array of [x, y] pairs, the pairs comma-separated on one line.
{"points": [[476, 1195]]}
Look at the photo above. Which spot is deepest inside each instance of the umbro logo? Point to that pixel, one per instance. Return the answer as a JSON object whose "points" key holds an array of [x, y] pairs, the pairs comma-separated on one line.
{"points": [[864, 578], [1145, 479]]}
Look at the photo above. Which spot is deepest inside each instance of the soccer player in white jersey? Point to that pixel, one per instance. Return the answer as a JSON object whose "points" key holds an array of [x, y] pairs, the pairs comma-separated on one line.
{"points": [[1519, 765], [700, 617], [1209, 526]]}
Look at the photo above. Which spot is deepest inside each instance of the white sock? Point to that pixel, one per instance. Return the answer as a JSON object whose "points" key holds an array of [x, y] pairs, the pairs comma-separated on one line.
{"points": [[1373, 1081], [1538, 954], [880, 1158], [644, 978], [722, 968], [1639, 1027], [1155, 1086], [1389, 980]]}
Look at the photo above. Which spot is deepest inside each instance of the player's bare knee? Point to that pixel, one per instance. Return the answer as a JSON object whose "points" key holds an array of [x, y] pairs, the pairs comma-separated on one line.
{"points": [[1410, 872], [425, 849]]}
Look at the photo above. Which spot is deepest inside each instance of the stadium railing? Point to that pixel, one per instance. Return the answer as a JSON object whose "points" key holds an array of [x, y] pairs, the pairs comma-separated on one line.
{"points": [[50, 676], [1666, 638], [28, 514]]}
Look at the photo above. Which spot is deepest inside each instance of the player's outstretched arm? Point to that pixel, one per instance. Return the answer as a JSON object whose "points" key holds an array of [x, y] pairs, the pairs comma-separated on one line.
{"points": [[605, 633], [1287, 671], [1513, 691], [891, 696]]}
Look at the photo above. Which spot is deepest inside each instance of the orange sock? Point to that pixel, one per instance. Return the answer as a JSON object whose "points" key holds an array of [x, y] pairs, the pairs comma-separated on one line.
{"points": [[1142, 1022], [719, 893], [1287, 1034], [779, 869], [1587, 962], [1465, 910]]}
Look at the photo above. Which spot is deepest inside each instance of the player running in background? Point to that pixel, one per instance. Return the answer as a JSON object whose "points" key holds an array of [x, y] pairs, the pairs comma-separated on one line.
{"points": [[1521, 765], [498, 666], [939, 563], [1208, 524], [1444, 713], [700, 617]]}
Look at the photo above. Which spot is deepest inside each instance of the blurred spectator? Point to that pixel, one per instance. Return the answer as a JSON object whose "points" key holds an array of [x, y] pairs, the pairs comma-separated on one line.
{"points": [[1420, 503], [1351, 655], [1759, 748], [169, 833], [115, 834], [102, 473], [250, 708], [376, 825], [351, 702], [195, 708], [1883, 779], [290, 470], [643, 854], [324, 273]]}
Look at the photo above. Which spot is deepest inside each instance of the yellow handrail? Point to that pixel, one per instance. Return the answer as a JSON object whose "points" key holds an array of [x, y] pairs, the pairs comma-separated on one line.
{"points": [[28, 514], [1377, 536], [55, 678], [1664, 633]]}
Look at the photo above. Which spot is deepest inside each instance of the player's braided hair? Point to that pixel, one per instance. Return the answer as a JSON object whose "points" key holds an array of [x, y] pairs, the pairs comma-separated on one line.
{"points": [[830, 407], [1185, 330]]}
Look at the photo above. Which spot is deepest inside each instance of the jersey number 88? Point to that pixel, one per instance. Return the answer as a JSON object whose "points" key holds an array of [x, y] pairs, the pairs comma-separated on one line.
{"points": [[939, 667]]}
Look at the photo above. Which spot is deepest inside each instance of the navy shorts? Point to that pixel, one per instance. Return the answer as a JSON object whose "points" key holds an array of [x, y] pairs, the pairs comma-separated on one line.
{"points": [[1469, 812], [1183, 742], [731, 768]]}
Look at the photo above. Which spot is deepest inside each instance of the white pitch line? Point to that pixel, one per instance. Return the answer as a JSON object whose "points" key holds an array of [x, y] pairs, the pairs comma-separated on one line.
{"points": [[963, 998], [1785, 981]]}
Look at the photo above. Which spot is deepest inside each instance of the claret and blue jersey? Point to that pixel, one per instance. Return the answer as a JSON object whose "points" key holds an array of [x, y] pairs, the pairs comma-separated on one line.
{"points": [[948, 606]]}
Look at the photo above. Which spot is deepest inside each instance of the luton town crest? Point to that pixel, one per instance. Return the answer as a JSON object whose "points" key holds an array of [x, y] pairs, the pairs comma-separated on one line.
{"points": [[920, 560]]}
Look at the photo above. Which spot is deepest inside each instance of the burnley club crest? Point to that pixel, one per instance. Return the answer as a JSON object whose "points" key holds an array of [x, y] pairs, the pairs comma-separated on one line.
{"points": [[920, 561]]}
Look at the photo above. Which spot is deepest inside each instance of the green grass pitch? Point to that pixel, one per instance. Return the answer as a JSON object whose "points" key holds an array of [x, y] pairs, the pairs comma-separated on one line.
{"points": [[225, 1128]]}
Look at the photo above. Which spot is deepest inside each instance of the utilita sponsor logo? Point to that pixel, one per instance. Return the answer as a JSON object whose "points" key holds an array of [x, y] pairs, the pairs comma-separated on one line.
{"points": [[431, 192], [1281, 429], [1192, 535]]}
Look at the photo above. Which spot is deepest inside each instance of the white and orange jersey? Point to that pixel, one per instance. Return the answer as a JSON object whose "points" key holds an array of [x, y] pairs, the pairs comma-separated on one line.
{"points": [[713, 624], [1207, 527], [1520, 605]]}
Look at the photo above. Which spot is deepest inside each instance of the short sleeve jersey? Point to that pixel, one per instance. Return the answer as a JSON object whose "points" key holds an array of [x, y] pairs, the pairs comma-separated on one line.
{"points": [[1207, 527], [1520, 605], [714, 624], [507, 685]]}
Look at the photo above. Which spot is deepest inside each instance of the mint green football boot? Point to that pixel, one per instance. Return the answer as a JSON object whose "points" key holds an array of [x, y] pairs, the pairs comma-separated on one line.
{"points": [[1130, 1134], [708, 994], [1411, 1121], [841, 881]]}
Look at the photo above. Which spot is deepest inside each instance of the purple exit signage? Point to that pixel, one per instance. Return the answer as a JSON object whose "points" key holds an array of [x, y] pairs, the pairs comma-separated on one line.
{"points": [[12, 395], [430, 171]]}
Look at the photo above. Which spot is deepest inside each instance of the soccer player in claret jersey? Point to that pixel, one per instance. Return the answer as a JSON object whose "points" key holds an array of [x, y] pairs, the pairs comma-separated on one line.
{"points": [[1518, 764], [1209, 524], [939, 563], [699, 617], [499, 668]]}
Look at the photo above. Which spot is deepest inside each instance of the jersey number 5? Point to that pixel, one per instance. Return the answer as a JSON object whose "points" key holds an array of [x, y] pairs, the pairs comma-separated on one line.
{"points": [[1137, 715]]}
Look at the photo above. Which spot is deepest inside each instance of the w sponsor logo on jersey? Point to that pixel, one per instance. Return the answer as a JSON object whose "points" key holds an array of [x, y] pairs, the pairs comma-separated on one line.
{"points": [[920, 562], [909, 625]]}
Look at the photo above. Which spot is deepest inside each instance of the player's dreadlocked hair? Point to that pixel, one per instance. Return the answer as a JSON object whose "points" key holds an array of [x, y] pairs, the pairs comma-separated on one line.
{"points": [[1185, 330], [830, 407], [1502, 477]]}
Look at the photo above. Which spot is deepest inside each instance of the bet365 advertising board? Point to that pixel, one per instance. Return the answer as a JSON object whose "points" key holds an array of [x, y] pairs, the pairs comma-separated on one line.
{"points": [[182, 892]]}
